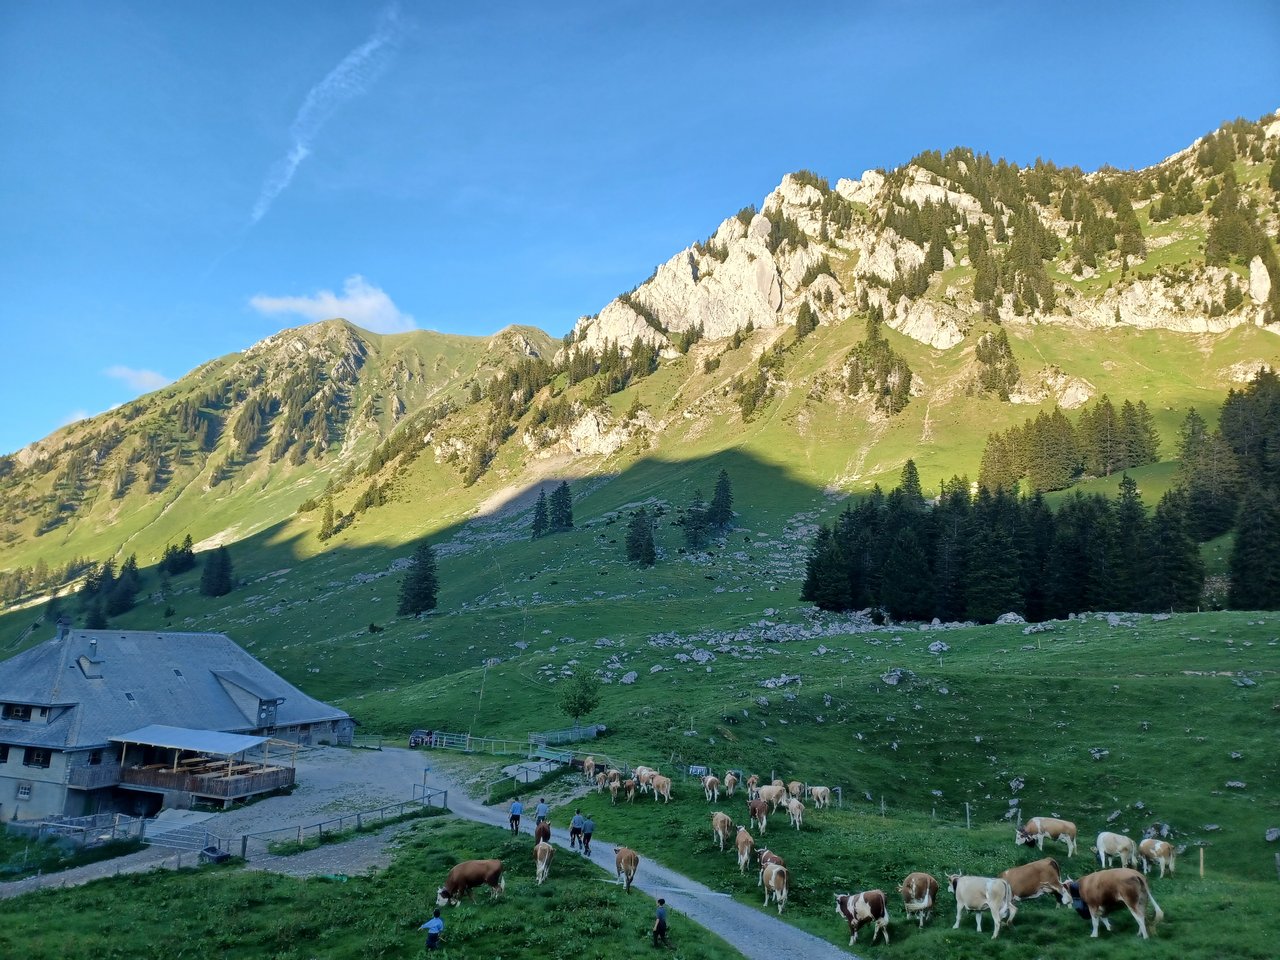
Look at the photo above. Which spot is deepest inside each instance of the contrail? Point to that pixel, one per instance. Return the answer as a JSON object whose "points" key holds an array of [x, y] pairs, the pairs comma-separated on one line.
{"points": [[359, 70]]}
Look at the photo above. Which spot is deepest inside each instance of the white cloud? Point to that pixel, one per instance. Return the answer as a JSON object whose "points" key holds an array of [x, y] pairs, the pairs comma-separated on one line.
{"points": [[353, 77], [360, 302], [75, 416], [143, 381]]}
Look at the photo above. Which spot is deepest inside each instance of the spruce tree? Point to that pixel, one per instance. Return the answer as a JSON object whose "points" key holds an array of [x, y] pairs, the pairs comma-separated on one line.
{"points": [[806, 321], [418, 590], [909, 485], [906, 589], [1130, 566], [826, 581], [96, 616], [326, 525], [640, 548], [1175, 569], [697, 527], [560, 508], [720, 513], [541, 523], [216, 578], [1255, 557]]}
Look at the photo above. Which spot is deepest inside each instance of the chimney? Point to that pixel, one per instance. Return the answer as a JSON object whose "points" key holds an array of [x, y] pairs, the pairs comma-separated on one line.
{"points": [[62, 629], [93, 646]]}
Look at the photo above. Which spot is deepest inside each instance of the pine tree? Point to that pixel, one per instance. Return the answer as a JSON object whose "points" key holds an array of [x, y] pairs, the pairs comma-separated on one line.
{"points": [[216, 578], [541, 523], [1175, 571], [96, 616], [1129, 584], [1255, 557], [640, 548], [720, 513], [560, 508], [909, 485], [697, 528], [905, 588], [806, 321], [326, 525], [991, 576], [418, 591], [826, 581]]}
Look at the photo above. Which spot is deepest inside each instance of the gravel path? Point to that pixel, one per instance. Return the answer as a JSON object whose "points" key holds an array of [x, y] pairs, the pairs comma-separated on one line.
{"points": [[332, 782]]}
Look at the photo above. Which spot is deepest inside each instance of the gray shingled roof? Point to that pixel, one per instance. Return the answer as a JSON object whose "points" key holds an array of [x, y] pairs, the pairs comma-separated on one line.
{"points": [[178, 679]]}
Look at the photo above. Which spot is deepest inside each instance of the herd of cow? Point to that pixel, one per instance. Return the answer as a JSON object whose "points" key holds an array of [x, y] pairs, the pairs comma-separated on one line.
{"points": [[1093, 895]]}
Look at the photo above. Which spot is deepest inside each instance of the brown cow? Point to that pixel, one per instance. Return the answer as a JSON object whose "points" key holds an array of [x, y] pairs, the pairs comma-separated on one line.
{"points": [[721, 827], [589, 768], [1038, 828], [1116, 845], [759, 810], [1156, 851], [919, 894], [661, 788], [542, 854], [1098, 893], [629, 788], [821, 797], [774, 878], [745, 844], [859, 909], [1032, 879], [711, 787], [625, 861], [730, 783], [542, 832], [466, 876]]}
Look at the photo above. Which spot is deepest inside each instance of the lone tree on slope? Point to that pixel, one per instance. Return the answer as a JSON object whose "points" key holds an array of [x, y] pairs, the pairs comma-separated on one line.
{"points": [[418, 592], [560, 508], [216, 579], [540, 520], [640, 548], [580, 696]]}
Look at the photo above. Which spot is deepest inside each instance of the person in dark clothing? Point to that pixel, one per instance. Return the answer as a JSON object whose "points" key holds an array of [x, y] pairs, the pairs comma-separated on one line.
{"points": [[588, 828], [660, 924], [575, 829], [517, 808]]}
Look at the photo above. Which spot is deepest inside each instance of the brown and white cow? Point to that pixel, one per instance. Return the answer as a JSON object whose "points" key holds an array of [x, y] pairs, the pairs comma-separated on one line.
{"points": [[859, 909], [614, 787], [642, 775], [745, 845], [767, 857], [730, 783], [661, 788], [774, 878], [1030, 880], [721, 828], [1155, 851], [629, 789], [795, 788], [773, 794], [821, 797], [614, 775], [542, 832], [626, 861], [919, 894], [589, 768], [711, 787], [466, 876], [542, 854], [1116, 845], [795, 809], [759, 810], [1037, 828], [753, 782], [982, 893], [1096, 894]]}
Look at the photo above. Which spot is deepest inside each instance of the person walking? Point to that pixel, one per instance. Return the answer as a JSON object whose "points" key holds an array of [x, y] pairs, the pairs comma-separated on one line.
{"points": [[435, 930], [659, 924], [517, 808], [588, 828], [541, 810], [575, 829]]}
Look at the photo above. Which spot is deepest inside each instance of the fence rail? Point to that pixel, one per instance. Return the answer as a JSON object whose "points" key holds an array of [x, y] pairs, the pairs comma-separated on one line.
{"points": [[91, 778], [90, 831]]}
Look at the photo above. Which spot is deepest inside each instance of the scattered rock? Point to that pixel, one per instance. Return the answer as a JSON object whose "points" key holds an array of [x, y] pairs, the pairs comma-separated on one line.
{"points": [[762, 701], [1016, 784], [1244, 682], [1114, 816], [1273, 834], [1157, 617], [1236, 755], [1037, 628], [770, 741], [780, 681], [1236, 784], [1211, 827], [1010, 618], [939, 646], [1099, 752], [629, 677], [895, 676]]}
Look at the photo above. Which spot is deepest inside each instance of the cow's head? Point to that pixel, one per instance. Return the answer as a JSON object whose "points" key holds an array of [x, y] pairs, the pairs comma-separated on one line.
{"points": [[952, 880], [443, 899], [1064, 895], [1073, 891], [1021, 836], [844, 905]]}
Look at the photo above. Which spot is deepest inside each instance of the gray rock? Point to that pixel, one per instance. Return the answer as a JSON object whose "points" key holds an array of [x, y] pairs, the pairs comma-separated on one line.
{"points": [[1010, 618], [895, 676], [1236, 784], [1273, 834], [1244, 682], [939, 646], [1099, 752], [1114, 816]]}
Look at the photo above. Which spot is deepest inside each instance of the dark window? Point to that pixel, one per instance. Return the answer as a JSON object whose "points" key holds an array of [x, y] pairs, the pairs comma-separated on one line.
{"points": [[95, 757], [177, 672], [16, 711], [35, 757], [44, 711], [4, 753], [129, 697]]}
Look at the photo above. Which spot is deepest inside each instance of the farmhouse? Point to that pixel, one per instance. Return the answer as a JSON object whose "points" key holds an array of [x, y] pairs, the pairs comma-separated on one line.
{"points": [[101, 720]]}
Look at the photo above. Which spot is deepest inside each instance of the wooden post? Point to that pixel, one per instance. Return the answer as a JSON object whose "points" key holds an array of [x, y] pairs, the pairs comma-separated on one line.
{"points": [[967, 823], [882, 805], [1202, 863], [244, 847]]}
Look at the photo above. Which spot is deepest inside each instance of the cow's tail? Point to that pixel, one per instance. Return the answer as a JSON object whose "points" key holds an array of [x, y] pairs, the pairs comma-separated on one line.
{"points": [[1159, 913]]}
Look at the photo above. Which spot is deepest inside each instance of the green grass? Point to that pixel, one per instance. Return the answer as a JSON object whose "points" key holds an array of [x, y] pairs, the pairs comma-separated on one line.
{"points": [[25, 857], [224, 912], [287, 848]]}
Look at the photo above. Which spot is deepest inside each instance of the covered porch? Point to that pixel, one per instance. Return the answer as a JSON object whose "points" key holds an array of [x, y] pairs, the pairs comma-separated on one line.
{"points": [[203, 764]]}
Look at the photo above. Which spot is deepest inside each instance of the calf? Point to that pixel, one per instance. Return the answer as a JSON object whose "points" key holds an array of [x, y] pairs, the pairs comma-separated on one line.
{"points": [[821, 797], [629, 788], [982, 893], [542, 854], [730, 783], [589, 768], [774, 878], [1098, 893], [745, 844], [1038, 828], [721, 827], [796, 811], [1156, 851], [1119, 846], [661, 788], [753, 782], [542, 832], [466, 876], [919, 894], [859, 909], [711, 787], [625, 861], [1032, 879], [759, 810]]}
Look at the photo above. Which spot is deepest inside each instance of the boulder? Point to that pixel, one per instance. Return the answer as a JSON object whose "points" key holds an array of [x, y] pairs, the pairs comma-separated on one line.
{"points": [[1259, 281]]}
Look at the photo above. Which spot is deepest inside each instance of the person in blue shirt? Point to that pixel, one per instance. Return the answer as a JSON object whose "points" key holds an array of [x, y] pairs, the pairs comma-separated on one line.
{"points": [[588, 828], [659, 925], [517, 808], [575, 829], [435, 930], [541, 810]]}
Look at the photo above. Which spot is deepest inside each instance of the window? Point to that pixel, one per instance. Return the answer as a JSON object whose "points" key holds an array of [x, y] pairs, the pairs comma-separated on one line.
{"points": [[16, 711], [24, 791], [35, 757], [44, 711], [95, 758], [4, 753], [129, 697]]}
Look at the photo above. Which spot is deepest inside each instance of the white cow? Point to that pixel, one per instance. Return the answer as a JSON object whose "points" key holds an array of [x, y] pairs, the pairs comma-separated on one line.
{"points": [[1116, 845], [982, 893]]}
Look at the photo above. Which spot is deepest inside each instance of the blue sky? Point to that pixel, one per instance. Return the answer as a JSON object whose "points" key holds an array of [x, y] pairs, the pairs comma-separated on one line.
{"points": [[178, 181]]}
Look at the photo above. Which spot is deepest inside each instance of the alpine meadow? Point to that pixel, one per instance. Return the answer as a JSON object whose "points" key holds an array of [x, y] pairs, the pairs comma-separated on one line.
{"points": [[955, 486]]}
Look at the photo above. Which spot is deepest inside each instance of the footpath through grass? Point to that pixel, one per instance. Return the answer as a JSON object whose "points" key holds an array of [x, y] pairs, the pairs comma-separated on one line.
{"points": [[231, 914]]}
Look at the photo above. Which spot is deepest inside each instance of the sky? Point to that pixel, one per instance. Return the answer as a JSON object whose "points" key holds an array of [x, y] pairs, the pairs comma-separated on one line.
{"points": [[181, 180]]}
